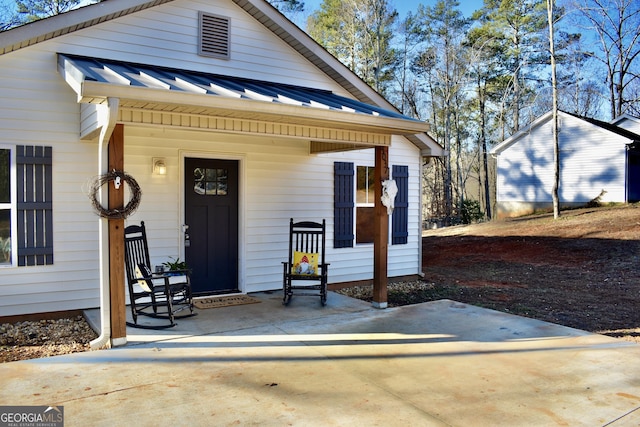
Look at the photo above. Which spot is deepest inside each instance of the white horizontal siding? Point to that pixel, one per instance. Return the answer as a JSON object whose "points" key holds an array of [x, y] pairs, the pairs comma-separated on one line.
{"points": [[280, 179], [405, 259], [166, 35], [38, 108], [592, 160]]}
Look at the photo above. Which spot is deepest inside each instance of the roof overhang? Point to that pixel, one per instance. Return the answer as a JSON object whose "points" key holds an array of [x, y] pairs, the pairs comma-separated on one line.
{"points": [[608, 127], [158, 95]]}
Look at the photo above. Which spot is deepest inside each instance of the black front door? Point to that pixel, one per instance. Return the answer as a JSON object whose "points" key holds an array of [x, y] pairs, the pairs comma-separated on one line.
{"points": [[211, 212]]}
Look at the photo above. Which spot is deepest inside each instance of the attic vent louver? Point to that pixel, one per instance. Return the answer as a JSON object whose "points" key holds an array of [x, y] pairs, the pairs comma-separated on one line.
{"points": [[214, 35]]}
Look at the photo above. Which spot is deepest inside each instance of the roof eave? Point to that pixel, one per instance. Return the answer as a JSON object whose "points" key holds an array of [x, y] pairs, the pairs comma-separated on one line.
{"points": [[68, 22], [97, 92]]}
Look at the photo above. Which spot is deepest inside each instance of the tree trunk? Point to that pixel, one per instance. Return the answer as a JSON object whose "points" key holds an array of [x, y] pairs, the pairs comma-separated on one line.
{"points": [[485, 155], [554, 85]]}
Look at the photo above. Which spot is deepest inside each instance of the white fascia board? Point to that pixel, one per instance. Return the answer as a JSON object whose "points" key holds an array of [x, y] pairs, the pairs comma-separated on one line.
{"points": [[91, 91]]}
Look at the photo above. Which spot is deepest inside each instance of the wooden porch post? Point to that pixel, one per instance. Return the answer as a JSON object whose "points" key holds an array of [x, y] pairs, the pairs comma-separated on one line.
{"points": [[116, 239], [381, 232]]}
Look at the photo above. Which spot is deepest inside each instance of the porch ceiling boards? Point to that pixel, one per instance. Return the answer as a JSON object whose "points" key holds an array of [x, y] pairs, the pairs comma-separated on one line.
{"points": [[172, 97]]}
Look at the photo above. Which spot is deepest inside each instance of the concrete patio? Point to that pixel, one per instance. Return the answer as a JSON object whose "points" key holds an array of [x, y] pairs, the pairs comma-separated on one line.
{"points": [[437, 363]]}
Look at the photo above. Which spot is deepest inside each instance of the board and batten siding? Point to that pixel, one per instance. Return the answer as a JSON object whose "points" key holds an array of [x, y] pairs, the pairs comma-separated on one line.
{"points": [[592, 160]]}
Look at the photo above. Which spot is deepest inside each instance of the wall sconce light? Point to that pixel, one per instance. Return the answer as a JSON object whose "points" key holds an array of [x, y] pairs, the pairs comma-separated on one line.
{"points": [[159, 166]]}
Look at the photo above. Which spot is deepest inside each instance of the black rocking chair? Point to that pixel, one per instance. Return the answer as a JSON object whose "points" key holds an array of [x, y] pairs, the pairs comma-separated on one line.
{"points": [[160, 295], [306, 261]]}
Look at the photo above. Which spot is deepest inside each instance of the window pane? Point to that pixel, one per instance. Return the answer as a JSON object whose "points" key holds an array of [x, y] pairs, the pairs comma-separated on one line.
{"points": [[211, 188], [222, 182], [5, 176], [371, 185], [365, 189], [365, 225], [5, 236]]}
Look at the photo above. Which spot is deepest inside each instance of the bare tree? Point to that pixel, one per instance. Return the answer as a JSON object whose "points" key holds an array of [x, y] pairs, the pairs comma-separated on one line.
{"points": [[616, 24]]}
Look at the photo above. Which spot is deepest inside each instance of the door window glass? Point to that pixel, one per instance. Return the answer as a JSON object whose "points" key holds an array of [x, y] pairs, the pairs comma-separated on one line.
{"points": [[210, 182]]}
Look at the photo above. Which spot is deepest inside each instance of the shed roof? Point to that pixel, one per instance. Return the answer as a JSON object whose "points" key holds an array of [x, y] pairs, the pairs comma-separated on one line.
{"points": [[85, 69], [170, 90]]}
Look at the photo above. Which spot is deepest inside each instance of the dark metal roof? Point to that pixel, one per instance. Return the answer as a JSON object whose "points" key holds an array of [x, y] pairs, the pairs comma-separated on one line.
{"points": [[171, 79]]}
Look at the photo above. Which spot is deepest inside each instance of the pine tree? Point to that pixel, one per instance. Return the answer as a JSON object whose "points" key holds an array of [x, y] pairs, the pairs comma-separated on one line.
{"points": [[359, 33], [33, 10]]}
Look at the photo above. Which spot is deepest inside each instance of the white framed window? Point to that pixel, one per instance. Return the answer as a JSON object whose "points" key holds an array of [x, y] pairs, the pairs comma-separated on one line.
{"points": [[8, 240], [354, 203], [26, 216], [365, 204]]}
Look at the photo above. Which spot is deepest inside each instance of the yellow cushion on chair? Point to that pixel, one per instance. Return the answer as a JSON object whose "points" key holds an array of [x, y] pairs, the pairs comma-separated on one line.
{"points": [[143, 271], [305, 263]]}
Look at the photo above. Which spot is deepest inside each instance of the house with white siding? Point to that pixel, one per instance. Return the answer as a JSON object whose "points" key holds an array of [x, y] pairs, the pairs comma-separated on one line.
{"points": [[628, 122], [598, 160], [229, 118]]}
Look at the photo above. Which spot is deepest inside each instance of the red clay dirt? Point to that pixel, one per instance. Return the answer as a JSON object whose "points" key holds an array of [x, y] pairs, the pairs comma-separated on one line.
{"points": [[581, 270]]}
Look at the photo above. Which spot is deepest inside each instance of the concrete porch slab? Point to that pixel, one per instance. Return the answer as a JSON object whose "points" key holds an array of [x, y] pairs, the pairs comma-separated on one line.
{"points": [[437, 363]]}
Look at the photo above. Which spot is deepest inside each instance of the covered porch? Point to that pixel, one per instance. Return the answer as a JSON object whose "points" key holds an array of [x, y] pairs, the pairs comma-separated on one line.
{"points": [[117, 96]]}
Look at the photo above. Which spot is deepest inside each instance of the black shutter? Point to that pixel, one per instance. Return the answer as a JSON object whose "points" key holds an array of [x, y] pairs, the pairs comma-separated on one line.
{"points": [[400, 217], [343, 205], [34, 205]]}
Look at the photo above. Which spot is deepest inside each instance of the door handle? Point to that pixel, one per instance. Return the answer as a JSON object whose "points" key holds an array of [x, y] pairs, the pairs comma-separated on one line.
{"points": [[187, 242]]}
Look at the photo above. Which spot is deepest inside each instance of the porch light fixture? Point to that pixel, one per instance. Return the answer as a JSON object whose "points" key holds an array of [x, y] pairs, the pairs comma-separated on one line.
{"points": [[159, 166]]}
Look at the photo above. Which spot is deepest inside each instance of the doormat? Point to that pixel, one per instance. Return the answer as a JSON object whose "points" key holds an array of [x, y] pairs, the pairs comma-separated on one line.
{"points": [[216, 302]]}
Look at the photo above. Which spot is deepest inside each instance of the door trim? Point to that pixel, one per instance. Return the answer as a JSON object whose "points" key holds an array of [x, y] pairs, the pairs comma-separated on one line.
{"points": [[241, 159]]}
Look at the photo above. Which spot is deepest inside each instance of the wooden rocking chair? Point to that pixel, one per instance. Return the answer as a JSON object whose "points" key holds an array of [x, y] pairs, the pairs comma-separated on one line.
{"points": [[160, 295], [306, 261]]}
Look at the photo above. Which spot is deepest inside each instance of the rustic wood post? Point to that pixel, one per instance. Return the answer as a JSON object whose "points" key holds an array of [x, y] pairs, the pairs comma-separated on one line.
{"points": [[381, 232], [116, 239]]}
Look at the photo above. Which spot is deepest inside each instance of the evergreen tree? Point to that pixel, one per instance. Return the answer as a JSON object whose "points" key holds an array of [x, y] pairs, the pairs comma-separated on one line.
{"points": [[33, 10], [518, 25], [442, 65], [359, 33], [288, 6], [487, 56]]}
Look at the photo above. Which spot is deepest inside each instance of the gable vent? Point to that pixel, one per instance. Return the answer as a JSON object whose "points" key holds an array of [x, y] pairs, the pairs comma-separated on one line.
{"points": [[214, 36]]}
